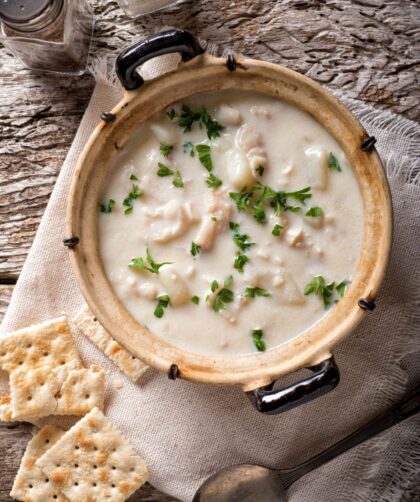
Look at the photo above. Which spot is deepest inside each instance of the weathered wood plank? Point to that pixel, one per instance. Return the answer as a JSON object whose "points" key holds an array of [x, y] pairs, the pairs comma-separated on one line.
{"points": [[5, 295], [365, 47]]}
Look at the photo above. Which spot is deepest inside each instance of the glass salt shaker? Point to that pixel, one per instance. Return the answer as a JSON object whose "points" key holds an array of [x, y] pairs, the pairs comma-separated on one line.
{"points": [[51, 35], [135, 8]]}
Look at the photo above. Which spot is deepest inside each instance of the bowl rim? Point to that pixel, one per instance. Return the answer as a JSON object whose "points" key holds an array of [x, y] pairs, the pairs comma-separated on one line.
{"points": [[208, 73]]}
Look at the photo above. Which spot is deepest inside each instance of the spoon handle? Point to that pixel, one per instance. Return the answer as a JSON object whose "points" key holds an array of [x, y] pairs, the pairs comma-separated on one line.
{"points": [[406, 408]]}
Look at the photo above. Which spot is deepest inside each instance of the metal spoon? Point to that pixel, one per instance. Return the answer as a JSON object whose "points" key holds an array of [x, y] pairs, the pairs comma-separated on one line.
{"points": [[253, 483]]}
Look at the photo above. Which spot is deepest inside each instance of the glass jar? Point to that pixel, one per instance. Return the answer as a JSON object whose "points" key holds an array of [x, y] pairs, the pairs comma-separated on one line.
{"points": [[135, 8], [51, 35]]}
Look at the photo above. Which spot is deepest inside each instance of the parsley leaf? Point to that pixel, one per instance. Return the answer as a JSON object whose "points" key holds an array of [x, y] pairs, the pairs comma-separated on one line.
{"points": [[241, 240], [195, 300], [171, 114], [165, 150], [204, 156], [178, 182], [228, 281], [134, 194], [214, 286], [163, 170], [224, 296], [133, 177], [163, 303], [141, 263], [188, 148], [253, 201], [314, 212], [202, 117], [240, 261], [107, 208], [242, 199], [253, 292], [257, 338], [320, 288], [212, 181], [333, 162], [277, 230], [341, 288], [195, 249]]}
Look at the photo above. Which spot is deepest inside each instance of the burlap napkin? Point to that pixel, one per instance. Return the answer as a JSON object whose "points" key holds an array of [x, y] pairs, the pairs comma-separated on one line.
{"points": [[187, 431]]}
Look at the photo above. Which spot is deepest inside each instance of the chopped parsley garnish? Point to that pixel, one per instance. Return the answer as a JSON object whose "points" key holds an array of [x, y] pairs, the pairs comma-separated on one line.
{"points": [[314, 212], [253, 201], [195, 300], [201, 116], [212, 181], [333, 162], [320, 288], [171, 114], [163, 303], [165, 150], [228, 281], [133, 177], [260, 170], [188, 148], [204, 156], [148, 264], [214, 286], [277, 230], [195, 249], [178, 182], [241, 240], [242, 199], [253, 292], [240, 261], [257, 338], [163, 170], [107, 208], [224, 296], [134, 194], [341, 288]]}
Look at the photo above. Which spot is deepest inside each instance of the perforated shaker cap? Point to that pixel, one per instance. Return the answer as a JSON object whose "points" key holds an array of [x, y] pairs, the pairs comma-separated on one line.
{"points": [[22, 11]]}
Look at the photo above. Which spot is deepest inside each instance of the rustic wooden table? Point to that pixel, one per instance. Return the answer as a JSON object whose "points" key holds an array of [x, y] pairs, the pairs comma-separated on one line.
{"points": [[367, 48]]}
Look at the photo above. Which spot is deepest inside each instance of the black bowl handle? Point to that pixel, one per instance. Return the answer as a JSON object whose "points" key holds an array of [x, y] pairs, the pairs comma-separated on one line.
{"points": [[273, 402], [164, 42]]}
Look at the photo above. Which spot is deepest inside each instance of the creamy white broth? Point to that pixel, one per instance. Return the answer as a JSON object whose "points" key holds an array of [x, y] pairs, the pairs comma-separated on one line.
{"points": [[293, 148]]}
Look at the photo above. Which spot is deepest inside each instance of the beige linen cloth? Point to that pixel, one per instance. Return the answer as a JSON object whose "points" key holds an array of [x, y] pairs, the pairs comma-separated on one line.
{"points": [[187, 431]]}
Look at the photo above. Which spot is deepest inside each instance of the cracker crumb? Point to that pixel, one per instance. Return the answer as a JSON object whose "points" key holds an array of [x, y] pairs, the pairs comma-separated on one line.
{"points": [[118, 384]]}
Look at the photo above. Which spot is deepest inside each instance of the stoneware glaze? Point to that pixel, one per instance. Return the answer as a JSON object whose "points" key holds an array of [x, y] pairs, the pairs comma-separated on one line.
{"points": [[200, 72]]}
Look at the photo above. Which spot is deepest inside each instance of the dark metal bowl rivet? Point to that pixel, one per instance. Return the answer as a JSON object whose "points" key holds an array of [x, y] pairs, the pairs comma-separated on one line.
{"points": [[108, 117], [173, 373], [368, 144], [366, 305], [71, 242], [230, 63]]}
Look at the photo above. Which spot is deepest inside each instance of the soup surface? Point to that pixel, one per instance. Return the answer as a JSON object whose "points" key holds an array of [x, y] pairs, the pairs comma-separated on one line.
{"points": [[230, 223]]}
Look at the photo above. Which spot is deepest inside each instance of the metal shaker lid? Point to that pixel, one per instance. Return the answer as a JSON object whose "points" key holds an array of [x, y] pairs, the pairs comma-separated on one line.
{"points": [[22, 11]]}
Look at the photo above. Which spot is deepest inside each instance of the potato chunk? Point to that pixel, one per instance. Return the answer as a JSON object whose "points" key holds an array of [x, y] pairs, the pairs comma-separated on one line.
{"points": [[238, 170], [288, 290], [167, 134], [316, 164], [175, 286]]}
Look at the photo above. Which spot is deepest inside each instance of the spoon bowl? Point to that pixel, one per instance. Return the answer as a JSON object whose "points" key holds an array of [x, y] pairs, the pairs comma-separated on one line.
{"points": [[242, 483]]}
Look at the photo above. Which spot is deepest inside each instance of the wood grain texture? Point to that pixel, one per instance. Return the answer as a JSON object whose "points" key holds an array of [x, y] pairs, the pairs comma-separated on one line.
{"points": [[367, 48]]}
